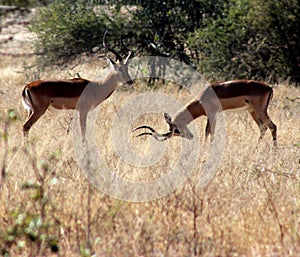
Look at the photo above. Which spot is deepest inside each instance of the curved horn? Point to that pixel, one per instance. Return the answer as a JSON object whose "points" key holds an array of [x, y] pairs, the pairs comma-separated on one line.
{"points": [[130, 52], [118, 56], [147, 127], [153, 133]]}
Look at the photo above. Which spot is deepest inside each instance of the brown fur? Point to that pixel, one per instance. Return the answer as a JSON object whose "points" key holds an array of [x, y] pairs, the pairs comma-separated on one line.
{"points": [[249, 95], [80, 94]]}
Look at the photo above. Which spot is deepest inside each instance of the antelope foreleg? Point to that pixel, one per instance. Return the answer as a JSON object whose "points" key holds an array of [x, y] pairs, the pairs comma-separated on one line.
{"points": [[207, 129], [82, 118]]}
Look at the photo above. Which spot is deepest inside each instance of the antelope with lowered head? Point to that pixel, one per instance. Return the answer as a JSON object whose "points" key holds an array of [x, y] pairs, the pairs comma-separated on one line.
{"points": [[249, 95], [79, 94]]}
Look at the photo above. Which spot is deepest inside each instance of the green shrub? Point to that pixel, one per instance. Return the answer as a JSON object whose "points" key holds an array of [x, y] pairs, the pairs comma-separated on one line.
{"points": [[65, 29], [251, 39], [225, 39]]}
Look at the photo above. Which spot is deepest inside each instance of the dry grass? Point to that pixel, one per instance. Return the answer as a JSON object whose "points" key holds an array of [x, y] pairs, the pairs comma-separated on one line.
{"points": [[250, 208]]}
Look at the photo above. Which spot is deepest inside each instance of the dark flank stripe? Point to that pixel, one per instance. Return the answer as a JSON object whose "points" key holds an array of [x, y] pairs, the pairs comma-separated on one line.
{"points": [[59, 88], [238, 88]]}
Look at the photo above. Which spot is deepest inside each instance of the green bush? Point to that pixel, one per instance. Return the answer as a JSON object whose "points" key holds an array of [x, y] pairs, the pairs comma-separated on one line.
{"points": [[66, 29], [251, 39], [224, 39]]}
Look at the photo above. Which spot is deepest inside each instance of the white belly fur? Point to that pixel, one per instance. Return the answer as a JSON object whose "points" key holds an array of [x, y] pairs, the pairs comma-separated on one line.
{"points": [[244, 108]]}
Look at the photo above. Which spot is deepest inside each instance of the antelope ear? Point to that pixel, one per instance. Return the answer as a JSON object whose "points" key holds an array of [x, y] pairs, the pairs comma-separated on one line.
{"points": [[112, 64], [168, 118]]}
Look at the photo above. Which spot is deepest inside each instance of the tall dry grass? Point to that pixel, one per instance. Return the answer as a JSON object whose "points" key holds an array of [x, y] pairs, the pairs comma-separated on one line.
{"points": [[250, 208]]}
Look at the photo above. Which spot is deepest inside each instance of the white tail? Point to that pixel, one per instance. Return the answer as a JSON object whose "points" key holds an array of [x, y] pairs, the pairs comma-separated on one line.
{"points": [[38, 95]]}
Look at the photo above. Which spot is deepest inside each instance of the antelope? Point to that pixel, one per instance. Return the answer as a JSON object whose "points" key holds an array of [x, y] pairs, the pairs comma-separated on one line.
{"points": [[78, 94], [249, 95]]}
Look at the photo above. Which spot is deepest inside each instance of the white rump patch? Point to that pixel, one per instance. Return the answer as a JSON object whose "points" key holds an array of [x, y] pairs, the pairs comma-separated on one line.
{"points": [[26, 105]]}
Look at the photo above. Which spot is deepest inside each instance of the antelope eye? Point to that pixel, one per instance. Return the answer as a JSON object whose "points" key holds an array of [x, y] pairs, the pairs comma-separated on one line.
{"points": [[176, 131]]}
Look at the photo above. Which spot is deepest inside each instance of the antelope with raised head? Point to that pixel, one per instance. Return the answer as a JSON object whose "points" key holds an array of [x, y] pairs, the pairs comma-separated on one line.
{"points": [[235, 95], [79, 94]]}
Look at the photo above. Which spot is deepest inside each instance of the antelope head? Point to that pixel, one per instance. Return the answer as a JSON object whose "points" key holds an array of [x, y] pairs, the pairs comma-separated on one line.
{"points": [[119, 65], [174, 130]]}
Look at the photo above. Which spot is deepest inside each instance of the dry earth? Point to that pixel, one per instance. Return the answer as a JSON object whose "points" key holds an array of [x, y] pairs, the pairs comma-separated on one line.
{"points": [[249, 208]]}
